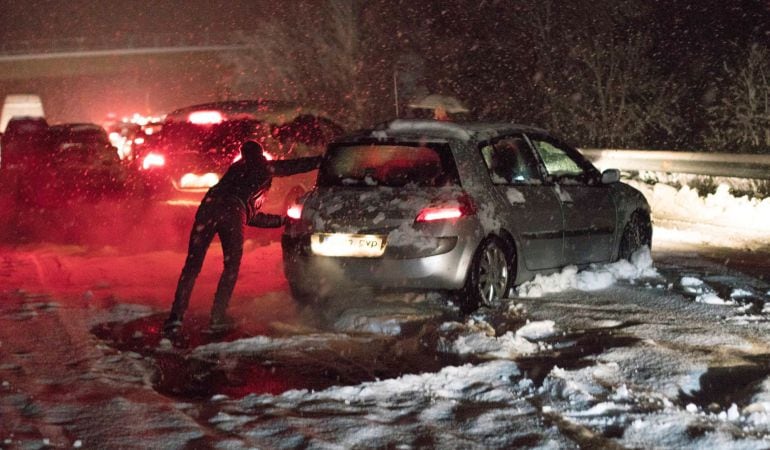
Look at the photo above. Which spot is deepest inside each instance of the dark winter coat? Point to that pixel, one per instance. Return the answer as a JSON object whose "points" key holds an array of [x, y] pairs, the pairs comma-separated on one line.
{"points": [[248, 184]]}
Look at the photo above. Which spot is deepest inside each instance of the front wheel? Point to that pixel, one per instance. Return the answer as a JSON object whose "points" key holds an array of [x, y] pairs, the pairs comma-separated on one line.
{"points": [[636, 234], [490, 276]]}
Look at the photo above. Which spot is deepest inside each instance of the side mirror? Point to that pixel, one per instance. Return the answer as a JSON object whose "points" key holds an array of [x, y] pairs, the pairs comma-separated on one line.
{"points": [[610, 176]]}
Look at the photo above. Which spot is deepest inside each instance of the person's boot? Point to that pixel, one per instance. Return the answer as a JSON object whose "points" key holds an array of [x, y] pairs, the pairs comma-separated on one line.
{"points": [[221, 324], [172, 327]]}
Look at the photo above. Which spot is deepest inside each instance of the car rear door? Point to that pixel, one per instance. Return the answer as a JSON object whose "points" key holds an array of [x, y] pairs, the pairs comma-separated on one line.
{"points": [[588, 208], [530, 206]]}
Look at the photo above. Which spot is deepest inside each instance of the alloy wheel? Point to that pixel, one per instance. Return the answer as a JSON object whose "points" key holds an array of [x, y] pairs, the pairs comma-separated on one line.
{"points": [[493, 274]]}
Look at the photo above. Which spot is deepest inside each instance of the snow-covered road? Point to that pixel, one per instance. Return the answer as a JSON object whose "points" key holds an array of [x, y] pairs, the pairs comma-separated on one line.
{"points": [[673, 353]]}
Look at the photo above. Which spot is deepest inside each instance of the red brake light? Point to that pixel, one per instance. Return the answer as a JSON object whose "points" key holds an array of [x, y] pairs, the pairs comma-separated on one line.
{"points": [[153, 160], [294, 211], [463, 208], [431, 214], [205, 117]]}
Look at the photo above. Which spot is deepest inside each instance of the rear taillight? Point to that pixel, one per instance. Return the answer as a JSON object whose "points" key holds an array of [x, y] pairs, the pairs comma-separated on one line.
{"points": [[446, 213], [153, 160], [205, 117], [294, 211], [463, 207]]}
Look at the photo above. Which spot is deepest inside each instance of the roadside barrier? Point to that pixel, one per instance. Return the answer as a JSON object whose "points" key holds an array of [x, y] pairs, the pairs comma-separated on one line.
{"points": [[732, 165]]}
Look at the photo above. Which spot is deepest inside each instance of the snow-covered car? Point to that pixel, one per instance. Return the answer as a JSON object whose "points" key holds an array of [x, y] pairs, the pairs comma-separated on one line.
{"points": [[473, 209]]}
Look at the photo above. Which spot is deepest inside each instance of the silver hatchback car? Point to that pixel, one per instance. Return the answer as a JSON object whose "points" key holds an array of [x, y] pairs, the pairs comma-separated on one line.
{"points": [[471, 208]]}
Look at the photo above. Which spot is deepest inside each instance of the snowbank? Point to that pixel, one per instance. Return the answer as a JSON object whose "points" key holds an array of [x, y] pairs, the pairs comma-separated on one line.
{"points": [[748, 218], [599, 276]]}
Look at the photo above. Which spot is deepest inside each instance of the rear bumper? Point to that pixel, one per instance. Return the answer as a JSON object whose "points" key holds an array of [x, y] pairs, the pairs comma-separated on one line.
{"points": [[313, 273]]}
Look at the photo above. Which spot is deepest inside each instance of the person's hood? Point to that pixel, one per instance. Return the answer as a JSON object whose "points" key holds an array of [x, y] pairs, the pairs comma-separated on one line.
{"points": [[253, 154]]}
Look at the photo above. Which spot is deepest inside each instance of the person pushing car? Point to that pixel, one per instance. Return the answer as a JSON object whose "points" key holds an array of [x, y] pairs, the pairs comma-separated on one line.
{"points": [[226, 208]]}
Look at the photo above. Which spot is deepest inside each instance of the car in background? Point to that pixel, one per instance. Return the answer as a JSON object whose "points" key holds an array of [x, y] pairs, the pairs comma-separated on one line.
{"points": [[196, 145], [24, 142], [80, 164], [472, 209]]}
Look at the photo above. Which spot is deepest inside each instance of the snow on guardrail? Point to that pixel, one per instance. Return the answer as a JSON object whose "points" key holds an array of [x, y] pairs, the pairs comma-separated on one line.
{"points": [[734, 165]]}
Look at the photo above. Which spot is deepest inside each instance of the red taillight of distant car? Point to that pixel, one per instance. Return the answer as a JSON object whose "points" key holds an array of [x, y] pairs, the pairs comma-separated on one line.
{"points": [[153, 160], [205, 117], [294, 211]]}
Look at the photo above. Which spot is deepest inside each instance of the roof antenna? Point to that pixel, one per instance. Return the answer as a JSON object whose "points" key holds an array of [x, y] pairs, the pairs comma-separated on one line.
{"points": [[395, 89]]}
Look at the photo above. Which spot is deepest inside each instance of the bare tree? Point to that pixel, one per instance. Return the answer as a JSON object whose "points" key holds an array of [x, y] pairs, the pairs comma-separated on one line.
{"points": [[740, 119], [612, 95], [310, 56], [598, 80]]}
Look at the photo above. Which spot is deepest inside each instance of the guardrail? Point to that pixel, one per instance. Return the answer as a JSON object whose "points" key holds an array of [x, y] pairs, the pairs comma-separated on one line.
{"points": [[120, 41], [732, 165]]}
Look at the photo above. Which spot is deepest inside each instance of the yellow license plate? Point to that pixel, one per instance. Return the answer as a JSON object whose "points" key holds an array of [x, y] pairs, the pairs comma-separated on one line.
{"points": [[351, 245]]}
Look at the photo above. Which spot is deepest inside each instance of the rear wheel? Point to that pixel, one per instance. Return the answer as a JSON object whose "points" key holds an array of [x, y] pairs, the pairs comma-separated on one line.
{"points": [[636, 234], [491, 274]]}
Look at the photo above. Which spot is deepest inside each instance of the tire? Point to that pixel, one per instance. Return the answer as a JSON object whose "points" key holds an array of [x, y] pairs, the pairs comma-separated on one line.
{"points": [[490, 276], [636, 234]]}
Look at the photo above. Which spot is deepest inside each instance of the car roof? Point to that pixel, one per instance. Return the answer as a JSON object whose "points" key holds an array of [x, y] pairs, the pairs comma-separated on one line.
{"points": [[434, 130], [77, 127], [257, 109]]}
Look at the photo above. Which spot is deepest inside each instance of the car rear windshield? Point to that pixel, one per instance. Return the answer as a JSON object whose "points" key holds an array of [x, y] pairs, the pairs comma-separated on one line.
{"points": [[388, 165], [224, 137]]}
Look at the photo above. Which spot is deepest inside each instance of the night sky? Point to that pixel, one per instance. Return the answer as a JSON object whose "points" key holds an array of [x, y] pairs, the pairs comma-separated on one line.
{"points": [[484, 52]]}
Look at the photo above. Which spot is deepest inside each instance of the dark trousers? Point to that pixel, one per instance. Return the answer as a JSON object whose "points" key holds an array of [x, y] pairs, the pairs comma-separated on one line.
{"points": [[223, 217]]}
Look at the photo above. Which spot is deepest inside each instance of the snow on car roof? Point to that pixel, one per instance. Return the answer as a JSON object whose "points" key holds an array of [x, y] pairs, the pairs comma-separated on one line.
{"points": [[401, 128], [274, 111]]}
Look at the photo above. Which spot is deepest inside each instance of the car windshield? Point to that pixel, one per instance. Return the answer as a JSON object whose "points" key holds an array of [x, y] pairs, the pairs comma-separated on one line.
{"points": [[388, 165]]}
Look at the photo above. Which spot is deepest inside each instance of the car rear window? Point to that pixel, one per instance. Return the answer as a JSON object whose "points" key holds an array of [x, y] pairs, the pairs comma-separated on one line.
{"points": [[224, 137], [388, 165]]}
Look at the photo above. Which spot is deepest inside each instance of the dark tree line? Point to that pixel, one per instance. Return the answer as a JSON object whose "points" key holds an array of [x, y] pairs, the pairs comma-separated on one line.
{"points": [[689, 74]]}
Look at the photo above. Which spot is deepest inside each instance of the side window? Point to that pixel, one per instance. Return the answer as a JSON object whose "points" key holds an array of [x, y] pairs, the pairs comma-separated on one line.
{"points": [[557, 161], [510, 161]]}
